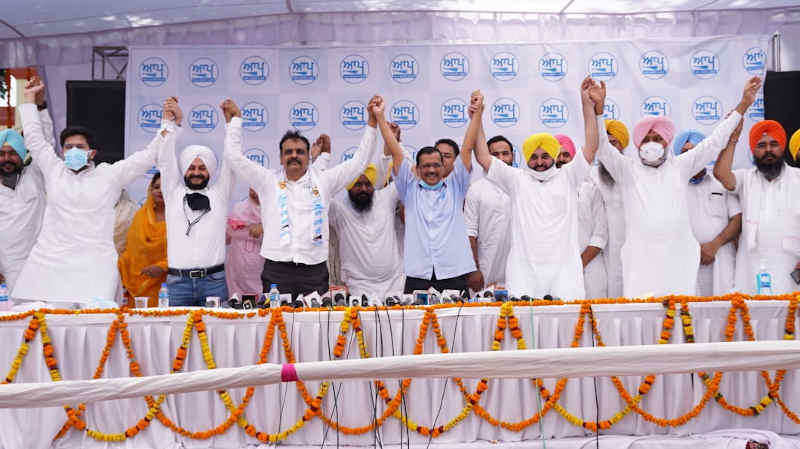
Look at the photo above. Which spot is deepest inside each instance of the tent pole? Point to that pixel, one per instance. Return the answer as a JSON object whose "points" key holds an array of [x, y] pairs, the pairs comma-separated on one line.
{"points": [[776, 52]]}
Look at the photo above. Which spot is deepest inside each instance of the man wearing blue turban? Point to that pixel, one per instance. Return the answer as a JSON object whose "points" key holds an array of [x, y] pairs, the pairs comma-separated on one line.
{"points": [[716, 218]]}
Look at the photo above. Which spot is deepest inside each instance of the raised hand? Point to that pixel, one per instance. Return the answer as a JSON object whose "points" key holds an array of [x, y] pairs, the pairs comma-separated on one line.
{"points": [[378, 108], [597, 93], [230, 110], [475, 103], [751, 90], [395, 128], [172, 111], [324, 142], [33, 89]]}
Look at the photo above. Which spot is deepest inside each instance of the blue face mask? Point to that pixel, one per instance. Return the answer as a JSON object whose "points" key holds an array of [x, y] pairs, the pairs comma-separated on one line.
{"points": [[436, 186], [76, 159]]}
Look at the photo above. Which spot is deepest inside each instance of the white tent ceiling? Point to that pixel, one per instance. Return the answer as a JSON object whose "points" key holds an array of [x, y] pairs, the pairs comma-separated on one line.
{"points": [[41, 18]]}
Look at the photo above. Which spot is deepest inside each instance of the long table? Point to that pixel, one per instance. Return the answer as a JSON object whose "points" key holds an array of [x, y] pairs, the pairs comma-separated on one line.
{"points": [[78, 341]]}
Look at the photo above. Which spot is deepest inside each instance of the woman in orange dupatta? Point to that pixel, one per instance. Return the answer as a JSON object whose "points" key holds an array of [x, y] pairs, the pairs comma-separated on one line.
{"points": [[143, 264]]}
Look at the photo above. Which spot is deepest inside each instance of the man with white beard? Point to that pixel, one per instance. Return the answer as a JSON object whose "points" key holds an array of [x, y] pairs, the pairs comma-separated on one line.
{"points": [[660, 255]]}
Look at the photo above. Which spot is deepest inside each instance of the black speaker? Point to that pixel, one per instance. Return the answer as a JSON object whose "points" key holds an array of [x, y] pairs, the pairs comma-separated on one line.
{"points": [[781, 97], [99, 106]]}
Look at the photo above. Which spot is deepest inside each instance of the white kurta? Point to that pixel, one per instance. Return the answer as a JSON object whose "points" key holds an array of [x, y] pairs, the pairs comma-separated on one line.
{"points": [[21, 212], [711, 207], [487, 215], [593, 231], [369, 251], [660, 255], [615, 214], [770, 229], [74, 259], [545, 256]]}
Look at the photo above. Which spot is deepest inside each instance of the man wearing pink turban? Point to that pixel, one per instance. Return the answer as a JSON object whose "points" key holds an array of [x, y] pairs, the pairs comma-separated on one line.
{"points": [[660, 255], [567, 151]]}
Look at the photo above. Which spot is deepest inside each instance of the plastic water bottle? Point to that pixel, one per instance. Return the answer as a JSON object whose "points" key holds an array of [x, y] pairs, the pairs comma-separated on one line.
{"points": [[274, 296], [763, 280], [163, 297], [5, 304]]}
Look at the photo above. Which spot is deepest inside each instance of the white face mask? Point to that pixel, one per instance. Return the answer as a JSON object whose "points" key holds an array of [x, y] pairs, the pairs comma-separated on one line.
{"points": [[544, 175], [652, 154]]}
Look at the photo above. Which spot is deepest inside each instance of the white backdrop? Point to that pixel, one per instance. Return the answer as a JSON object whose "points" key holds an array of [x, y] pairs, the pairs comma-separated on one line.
{"points": [[529, 88]]}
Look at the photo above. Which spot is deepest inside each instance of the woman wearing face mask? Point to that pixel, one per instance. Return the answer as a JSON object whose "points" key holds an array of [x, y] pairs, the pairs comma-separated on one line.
{"points": [[661, 255]]}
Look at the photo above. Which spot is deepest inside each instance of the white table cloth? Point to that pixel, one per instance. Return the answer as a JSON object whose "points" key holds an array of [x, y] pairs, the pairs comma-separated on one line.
{"points": [[79, 340]]}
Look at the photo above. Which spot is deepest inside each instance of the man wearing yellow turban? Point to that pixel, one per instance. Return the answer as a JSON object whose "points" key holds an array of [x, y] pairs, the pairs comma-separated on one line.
{"points": [[371, 260], [769, 248], [661, 255], [544, 257]]}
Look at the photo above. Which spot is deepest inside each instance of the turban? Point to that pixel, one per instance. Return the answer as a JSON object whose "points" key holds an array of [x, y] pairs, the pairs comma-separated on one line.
{"points": [[617, 129], [661, 125], [542, 140], [566, 143], [692, 136], [205, 154], [769, 127], [370, 172], [794, 144], [14, 140]]}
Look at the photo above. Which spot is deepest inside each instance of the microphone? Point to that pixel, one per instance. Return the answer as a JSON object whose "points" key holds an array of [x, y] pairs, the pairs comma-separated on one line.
{"points": [[525, 298], [338, 299], [235, 302], [364, 300]]}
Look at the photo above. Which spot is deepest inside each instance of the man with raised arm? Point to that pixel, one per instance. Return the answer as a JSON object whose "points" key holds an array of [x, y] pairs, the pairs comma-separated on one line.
{"points": [[74, 259], [294, 204], [545, 256], [661, 255], [768, 192], [436, 249]]}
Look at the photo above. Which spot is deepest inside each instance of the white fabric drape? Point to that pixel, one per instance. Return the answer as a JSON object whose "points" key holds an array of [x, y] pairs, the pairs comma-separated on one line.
{"points": [[79, 340]]}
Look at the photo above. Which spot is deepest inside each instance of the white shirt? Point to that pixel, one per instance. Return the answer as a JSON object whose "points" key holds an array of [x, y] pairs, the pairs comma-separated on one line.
{"points": [[711, 207], [487, 214], [615, 214], [74, 259], [544, 257], [770, 228], [661, 256], [21, 212], [300, 197], [593, 231], [205, 245], [369, 251]]}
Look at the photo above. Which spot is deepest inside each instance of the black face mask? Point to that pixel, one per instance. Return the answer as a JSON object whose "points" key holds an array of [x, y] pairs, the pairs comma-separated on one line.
{"points": [[197, 202]]}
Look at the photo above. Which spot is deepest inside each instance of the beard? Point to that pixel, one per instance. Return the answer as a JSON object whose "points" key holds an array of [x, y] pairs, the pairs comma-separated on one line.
{"points": [[362, 202], [188, 181], [605, 176], [770, 170], [10, 168]]}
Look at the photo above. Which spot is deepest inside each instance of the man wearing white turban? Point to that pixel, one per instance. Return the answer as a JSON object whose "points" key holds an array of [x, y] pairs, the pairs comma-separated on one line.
{"points": [[196, 216]]}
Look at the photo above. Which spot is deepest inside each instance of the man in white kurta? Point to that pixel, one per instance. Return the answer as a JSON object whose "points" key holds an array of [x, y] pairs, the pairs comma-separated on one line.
{"points": [[768, 193], [545, 256], [74, 259], [716, 219], [22, 202], [371, 263], [660, 255], [487, 215], [592, 239]]}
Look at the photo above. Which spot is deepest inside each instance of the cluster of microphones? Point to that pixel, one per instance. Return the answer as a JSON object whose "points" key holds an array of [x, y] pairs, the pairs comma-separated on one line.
{"points": [[338, 297]]}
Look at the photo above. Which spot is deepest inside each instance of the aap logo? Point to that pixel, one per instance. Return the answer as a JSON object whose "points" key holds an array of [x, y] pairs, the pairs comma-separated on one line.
{"points": [[254, 70], [153, 72], [656, 107], [553, 67], [505, 112], [454, 66], [353, 115], [553, 113], [354, 69], [255, 116], [704, 64], [756, 110], [258, 156], [706, 110], [611, 110], [405, 114], [203, 72], [454, 113], [203, 118], [653, 65], [404, 68], [603, 66], [755, 61], [150, 117], [303, 70], [303, 116], [349, 153], [504, 66]]}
